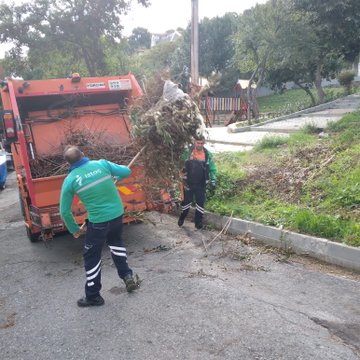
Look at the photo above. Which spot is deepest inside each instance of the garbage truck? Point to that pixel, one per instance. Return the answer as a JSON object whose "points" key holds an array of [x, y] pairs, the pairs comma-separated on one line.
{"points": [[37, 114]]}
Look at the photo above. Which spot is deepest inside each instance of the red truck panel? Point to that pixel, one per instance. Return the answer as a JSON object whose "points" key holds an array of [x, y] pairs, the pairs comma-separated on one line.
{"points": [[49, 135]]}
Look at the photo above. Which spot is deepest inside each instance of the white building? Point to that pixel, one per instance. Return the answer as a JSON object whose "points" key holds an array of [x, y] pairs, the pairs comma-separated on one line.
{"points": [[167, 37]]}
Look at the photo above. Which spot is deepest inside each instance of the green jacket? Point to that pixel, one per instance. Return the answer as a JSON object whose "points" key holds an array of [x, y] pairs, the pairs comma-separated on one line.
{"points": [[92, 182]]}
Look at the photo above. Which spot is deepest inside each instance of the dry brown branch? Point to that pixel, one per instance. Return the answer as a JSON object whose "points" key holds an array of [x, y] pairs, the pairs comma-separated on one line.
{"points": [[223, 230], [93, 146], [322, 165]]}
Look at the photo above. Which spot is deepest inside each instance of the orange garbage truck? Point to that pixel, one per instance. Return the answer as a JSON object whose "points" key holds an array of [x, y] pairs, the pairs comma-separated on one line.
{"points": [[36, 116]]}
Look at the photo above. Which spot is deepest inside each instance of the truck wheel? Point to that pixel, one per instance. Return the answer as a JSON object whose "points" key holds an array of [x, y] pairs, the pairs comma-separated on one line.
{"points": [[32, 237]]}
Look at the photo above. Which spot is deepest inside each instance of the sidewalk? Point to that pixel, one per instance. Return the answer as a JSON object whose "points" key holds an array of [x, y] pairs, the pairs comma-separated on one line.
{"points": [[233, 138]]}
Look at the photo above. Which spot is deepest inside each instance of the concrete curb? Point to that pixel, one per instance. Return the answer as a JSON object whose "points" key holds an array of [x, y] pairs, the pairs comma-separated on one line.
{"points": [[322, 249], [236, 143]]}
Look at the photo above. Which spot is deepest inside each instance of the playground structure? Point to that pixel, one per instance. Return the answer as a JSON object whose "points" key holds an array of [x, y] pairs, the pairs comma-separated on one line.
{"points": [[239, 107]]}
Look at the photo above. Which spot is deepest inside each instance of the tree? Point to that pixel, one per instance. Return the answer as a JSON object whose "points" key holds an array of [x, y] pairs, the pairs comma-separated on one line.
{"points": [[215, 51], [280, 41], [295, 56], [256, 43], [78, 26], [215, 45], [155, 60], [336, 24], [139, 39]]}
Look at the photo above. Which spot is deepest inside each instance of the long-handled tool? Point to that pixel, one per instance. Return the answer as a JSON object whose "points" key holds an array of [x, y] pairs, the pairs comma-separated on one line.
{"points": [[136, 156], [131, 163]]}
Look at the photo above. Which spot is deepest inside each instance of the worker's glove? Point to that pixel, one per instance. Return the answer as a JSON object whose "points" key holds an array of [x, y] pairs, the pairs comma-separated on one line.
{"points": [[212, 185], [183, 175]]}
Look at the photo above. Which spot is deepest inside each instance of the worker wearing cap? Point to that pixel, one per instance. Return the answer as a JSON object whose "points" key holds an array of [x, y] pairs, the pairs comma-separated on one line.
{"points": [[199, 171], [92, 182]]}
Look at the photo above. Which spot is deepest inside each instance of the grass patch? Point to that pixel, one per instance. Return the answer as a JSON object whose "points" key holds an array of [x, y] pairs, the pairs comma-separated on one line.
{"points": [[340, 183], [347, 128], [302, 183], [318, 224], [300, 140], [276, 102], [270, 142], [293, 100]]}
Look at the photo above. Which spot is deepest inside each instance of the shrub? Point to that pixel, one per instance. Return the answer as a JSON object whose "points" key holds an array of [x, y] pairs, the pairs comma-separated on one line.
{"points": [[270, 142], [310, 128], [345, 78]]}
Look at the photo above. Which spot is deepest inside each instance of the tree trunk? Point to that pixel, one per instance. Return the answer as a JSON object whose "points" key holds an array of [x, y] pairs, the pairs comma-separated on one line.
{"points": [[318, 79], [250, 94], [308, 91], [89, 64], [356, 65], [254, 102]]}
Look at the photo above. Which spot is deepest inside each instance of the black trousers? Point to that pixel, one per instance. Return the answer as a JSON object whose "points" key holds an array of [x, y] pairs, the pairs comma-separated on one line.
{"points": [[97, 234], [197, 192]]}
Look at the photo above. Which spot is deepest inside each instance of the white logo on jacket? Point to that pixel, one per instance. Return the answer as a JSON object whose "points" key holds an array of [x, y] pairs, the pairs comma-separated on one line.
{"points": [[78, 180], [93, 173]]}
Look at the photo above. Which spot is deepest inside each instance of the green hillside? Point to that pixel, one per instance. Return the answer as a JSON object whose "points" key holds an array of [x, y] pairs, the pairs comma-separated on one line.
{"points": [[308, 183]]}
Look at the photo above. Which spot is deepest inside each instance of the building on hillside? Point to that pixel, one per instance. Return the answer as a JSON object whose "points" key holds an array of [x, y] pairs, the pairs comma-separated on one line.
{"points": [[167, 37]]}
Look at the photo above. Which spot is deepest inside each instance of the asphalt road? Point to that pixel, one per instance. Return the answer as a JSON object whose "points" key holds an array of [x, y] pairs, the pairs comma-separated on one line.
{"points": [[231, 301]]}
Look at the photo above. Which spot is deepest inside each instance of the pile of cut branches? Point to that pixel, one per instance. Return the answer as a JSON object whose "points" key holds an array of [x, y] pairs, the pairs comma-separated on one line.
{"points": [[165, 120], [90, 143], [165, 129]]}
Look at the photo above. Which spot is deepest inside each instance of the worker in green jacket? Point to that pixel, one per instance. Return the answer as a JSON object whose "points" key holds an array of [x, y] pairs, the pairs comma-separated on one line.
{"points": [[92, 182], [199, 171]]}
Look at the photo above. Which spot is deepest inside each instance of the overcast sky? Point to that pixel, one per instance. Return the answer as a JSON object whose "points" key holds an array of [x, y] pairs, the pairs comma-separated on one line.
{"points": [[163, 15]]}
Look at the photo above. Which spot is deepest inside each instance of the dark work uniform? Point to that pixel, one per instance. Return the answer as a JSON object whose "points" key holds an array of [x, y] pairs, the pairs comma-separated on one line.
{"points": [[199, 169]]}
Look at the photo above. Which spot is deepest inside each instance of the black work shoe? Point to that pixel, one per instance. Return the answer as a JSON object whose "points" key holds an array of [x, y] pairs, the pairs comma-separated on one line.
{"points": [[199, 225], [181, 221], [95, 301], [130, 283]]}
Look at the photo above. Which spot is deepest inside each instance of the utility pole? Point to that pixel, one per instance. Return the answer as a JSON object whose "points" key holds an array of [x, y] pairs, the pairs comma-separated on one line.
{"points": [[194, 42]]}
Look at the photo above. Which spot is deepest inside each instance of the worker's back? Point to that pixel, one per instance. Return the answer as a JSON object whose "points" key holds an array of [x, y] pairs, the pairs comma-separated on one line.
{"points": [[92, 182]]}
